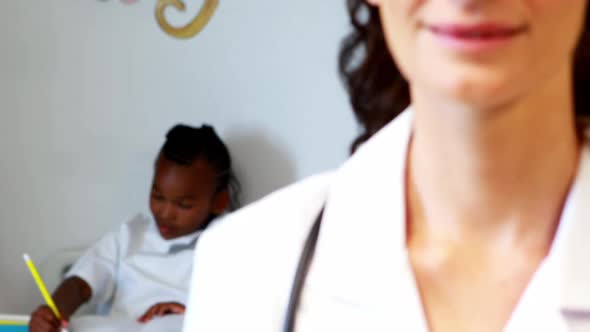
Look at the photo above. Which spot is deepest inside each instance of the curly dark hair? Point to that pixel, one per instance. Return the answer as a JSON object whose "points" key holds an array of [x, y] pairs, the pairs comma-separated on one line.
{"points": [[378, 92]]}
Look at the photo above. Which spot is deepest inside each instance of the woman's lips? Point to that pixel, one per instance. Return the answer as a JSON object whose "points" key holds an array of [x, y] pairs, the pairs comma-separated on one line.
{"points": [[475, 38]]}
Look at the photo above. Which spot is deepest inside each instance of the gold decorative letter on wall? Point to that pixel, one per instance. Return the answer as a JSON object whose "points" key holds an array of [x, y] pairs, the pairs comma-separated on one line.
{"points": [[192, 28]]}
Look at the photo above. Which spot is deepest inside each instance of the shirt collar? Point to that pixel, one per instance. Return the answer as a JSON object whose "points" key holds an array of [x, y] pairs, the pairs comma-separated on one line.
{"points": [[172, 246]]}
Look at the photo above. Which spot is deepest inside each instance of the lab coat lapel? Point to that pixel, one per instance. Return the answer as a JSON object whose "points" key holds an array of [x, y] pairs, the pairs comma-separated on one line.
{"points": [[361, 247], [573, 249], [558, 299]]}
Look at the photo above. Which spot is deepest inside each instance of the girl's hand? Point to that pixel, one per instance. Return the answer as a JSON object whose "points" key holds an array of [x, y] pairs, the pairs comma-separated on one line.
{"points": [[162, 309]]}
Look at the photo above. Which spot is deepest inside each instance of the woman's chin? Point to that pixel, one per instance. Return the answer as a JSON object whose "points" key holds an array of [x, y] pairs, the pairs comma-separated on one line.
{"points": [[477, 85], [482, 93]]}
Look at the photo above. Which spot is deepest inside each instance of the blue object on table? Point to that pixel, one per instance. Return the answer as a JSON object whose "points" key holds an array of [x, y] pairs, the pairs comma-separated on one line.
{"points": [[14, 328]]}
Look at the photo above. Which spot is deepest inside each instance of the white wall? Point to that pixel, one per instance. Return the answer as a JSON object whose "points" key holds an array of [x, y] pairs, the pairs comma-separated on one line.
{"points": [[88, 89]]}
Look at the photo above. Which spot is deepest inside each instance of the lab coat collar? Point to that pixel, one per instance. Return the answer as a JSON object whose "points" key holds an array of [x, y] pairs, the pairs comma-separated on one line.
{"points": [[365, 214], [572, 243]]}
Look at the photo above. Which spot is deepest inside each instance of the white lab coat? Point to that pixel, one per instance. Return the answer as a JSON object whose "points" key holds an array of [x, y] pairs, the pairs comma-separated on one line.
{"points": [[360, 278]]}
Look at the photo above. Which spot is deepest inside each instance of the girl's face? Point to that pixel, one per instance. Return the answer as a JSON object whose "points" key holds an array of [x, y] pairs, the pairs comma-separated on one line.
{"points": [[478, 52], [184, 197]]}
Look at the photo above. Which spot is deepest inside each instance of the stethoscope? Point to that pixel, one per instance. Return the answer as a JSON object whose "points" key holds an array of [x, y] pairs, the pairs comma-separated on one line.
{"points": [[301, 274]]}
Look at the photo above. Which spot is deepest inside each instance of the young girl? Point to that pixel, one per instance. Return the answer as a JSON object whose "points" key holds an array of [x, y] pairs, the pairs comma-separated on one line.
{"points": [[143, 269]]}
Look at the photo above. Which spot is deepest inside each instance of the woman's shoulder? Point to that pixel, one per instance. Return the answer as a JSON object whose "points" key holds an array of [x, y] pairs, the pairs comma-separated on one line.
{"points": [[250, 255], [282, 212]]}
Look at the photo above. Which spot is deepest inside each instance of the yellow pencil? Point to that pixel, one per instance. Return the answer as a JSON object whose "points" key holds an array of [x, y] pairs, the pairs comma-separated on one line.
{"points": [[41, 286]]}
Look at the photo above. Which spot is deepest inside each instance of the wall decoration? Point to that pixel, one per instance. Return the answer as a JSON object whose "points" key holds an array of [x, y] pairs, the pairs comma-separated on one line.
{"points": [[192, 28]]}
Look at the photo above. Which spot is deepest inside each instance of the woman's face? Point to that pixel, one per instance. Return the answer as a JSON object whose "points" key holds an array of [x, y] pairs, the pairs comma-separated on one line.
{"points": [[483, 53]]}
